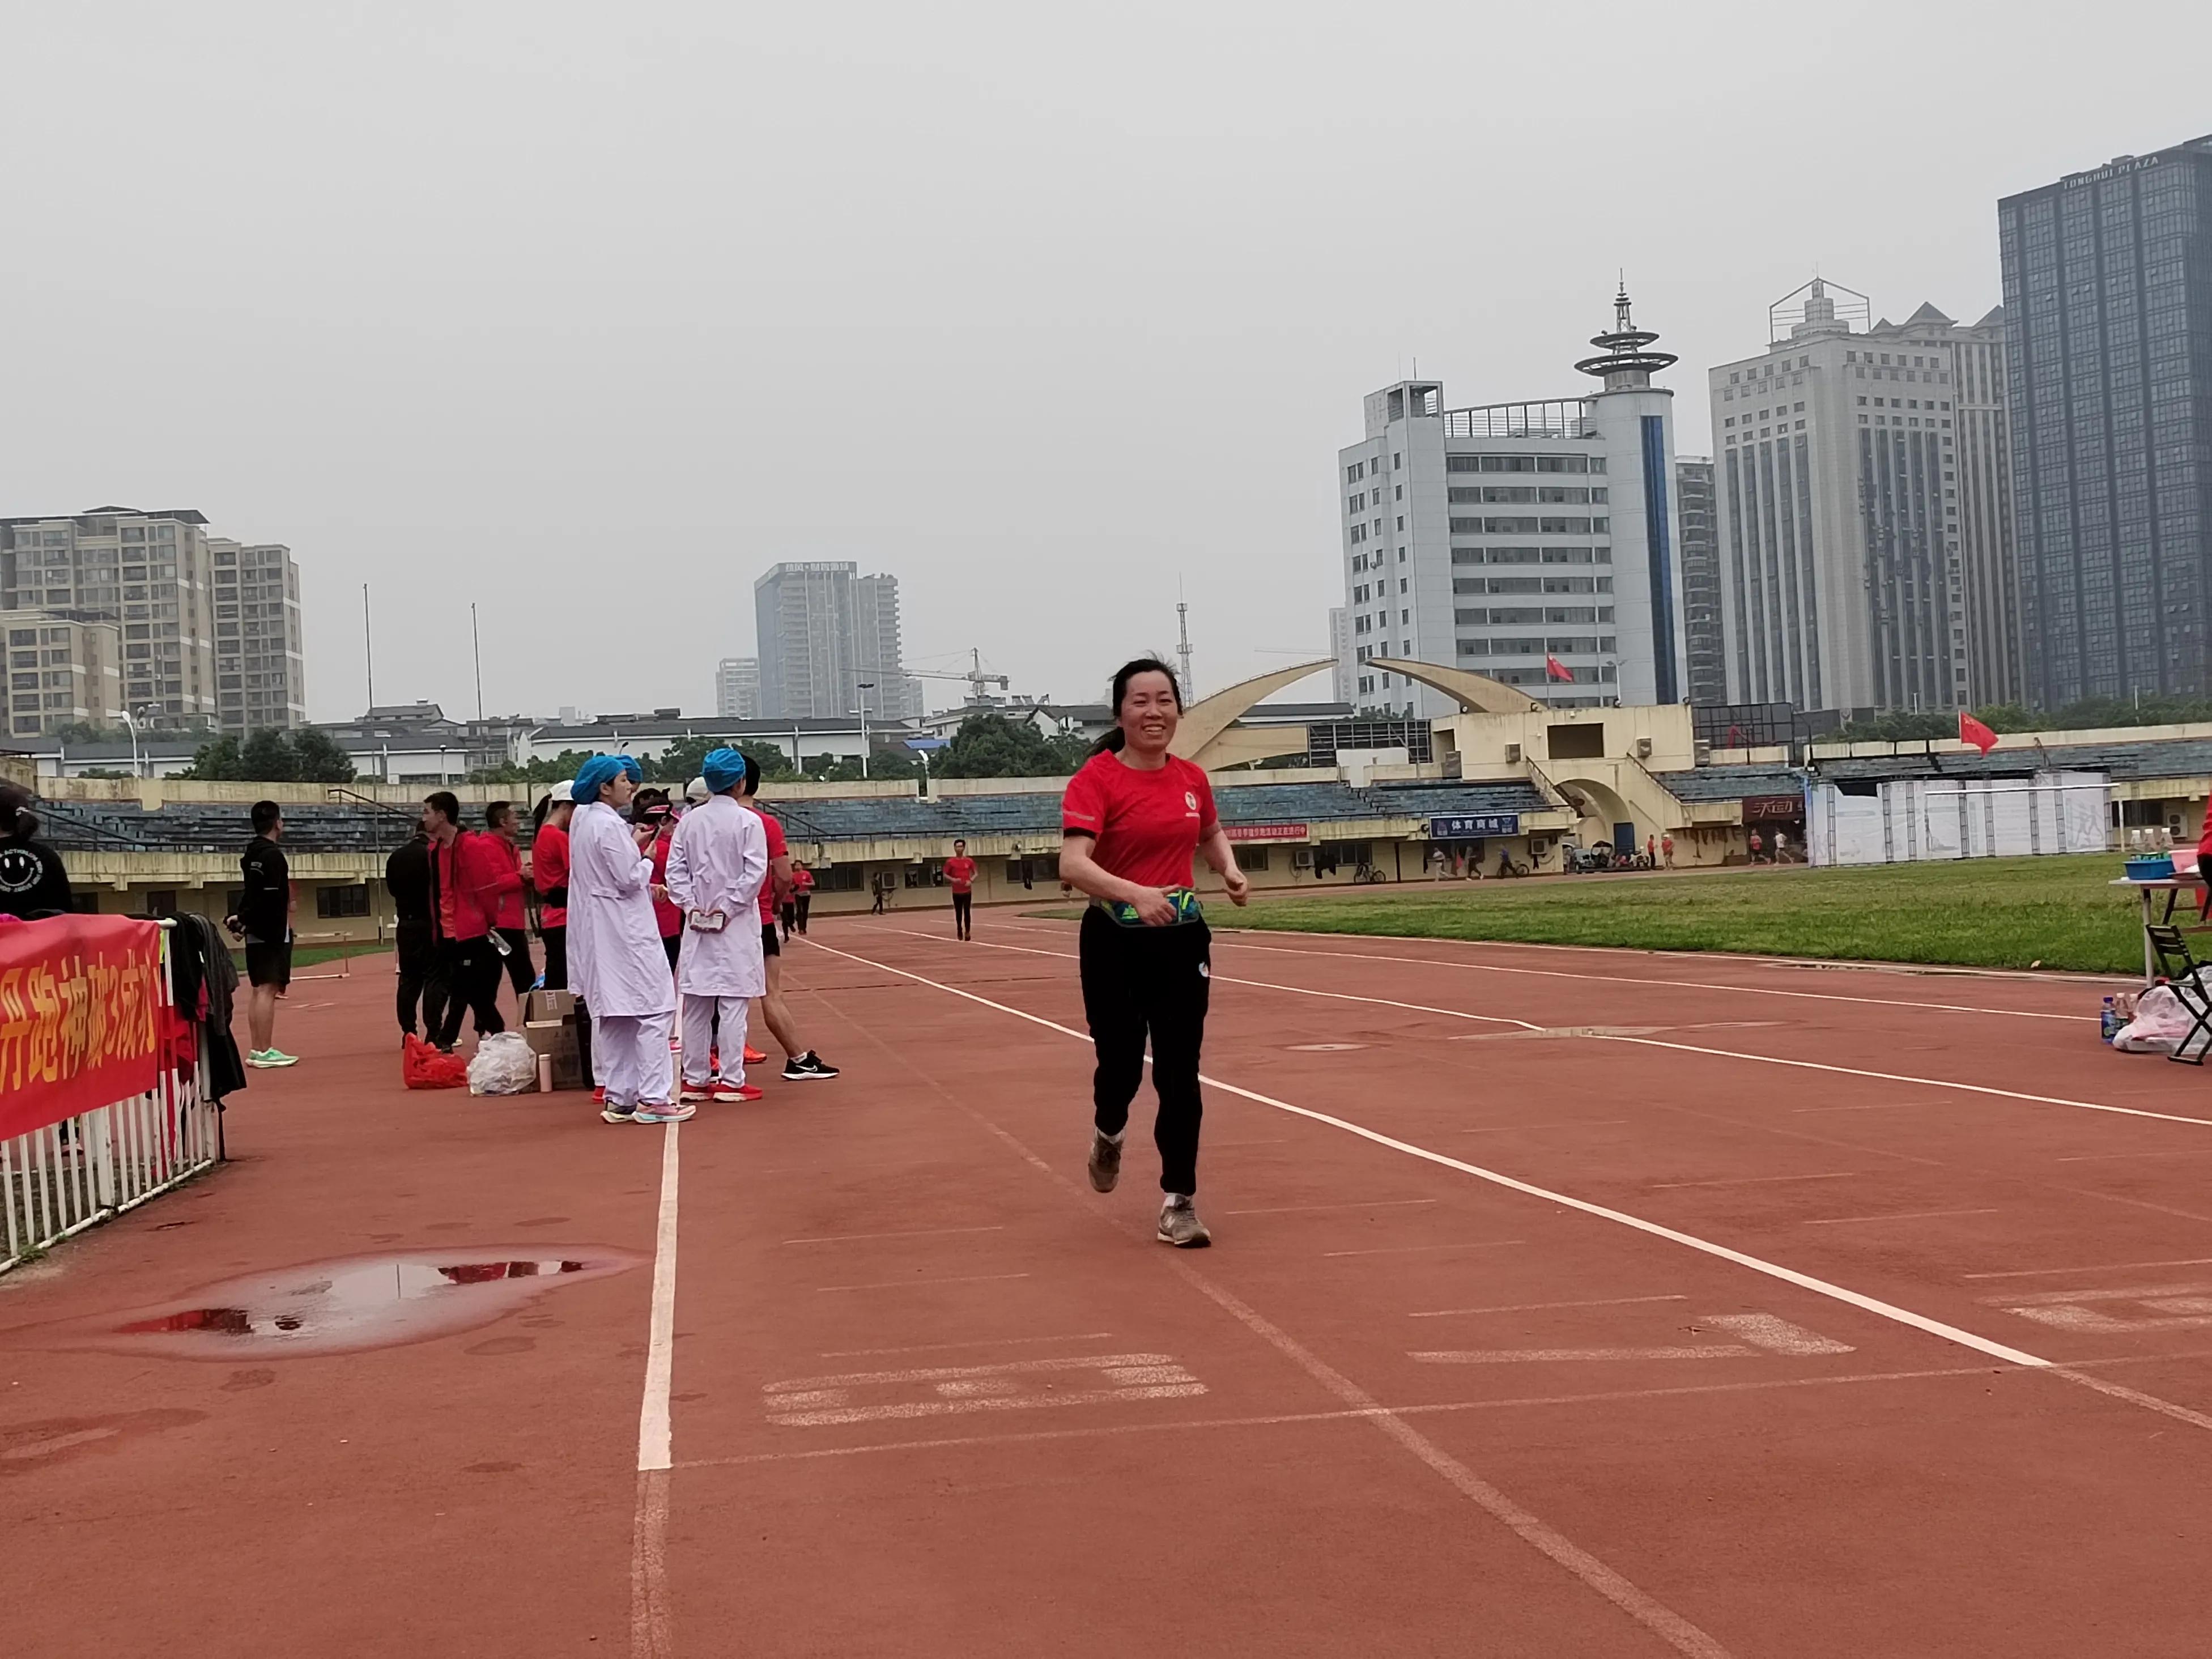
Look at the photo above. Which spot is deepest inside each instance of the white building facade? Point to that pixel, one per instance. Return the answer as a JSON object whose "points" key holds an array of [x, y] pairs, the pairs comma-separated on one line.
{"points": [[1533, 543], [831, 644], [737, 688], [261, 652], [1854, 573]]}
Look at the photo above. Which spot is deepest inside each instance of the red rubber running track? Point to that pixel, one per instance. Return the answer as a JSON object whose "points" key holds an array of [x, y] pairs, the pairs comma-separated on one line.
{"points": [[1562, 1303]]}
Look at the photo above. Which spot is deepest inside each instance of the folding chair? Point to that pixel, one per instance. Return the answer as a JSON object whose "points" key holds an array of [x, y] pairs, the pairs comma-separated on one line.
{"points": [[2179, 971]]}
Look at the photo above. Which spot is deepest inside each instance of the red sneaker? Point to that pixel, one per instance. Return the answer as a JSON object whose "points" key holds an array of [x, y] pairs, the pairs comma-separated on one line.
{"points": [[754, 1056], [598, 1097], [723, 1091]]}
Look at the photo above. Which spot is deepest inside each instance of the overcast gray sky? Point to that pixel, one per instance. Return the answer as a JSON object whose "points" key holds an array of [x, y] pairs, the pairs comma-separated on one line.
{"points": [[590, 313]]}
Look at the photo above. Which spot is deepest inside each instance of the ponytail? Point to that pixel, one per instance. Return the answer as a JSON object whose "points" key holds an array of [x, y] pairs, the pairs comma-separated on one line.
{"points": [[1112, 743]]}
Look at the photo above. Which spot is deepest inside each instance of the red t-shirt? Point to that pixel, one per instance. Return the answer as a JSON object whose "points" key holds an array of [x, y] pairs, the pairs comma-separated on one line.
{"points": [[778, 848], [1148, 824], [802, 880], [669, 914], [961, 872], [548, 869]]}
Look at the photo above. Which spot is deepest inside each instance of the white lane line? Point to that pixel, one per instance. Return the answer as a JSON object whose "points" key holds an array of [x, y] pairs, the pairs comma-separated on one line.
{"points": [[1370, 1204], [1578, 1356], [1407, 1249], [1556, 1123], [2101, 1158], [1351, 1414], [653, 1428], [2093, 1267], [1750, 1180], [955, 1373], [1707, 1247], [972, 1342], [649, 1631], [1869, 1106], [1773, 1270], [908, 1284], [1917, 1082], [1297, 990], [1904, 1215], [1538, 1307], [1594, 1574], [1594, 1036], [1654, 1616], [1777, 1335], [1239, 944], [910, 1232]]}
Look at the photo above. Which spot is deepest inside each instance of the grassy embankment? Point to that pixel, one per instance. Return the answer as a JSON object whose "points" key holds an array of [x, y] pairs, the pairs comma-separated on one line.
{"points": [[1983, 913]]}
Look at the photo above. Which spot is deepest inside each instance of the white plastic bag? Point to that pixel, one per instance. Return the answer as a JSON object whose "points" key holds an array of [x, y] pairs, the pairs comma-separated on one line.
{"points": [[2160, 1025], [503, 1065]]}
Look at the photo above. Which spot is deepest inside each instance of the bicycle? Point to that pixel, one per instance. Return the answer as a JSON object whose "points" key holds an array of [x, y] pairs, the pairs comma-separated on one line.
{"points": [[1507, 867], [1367, 873]]}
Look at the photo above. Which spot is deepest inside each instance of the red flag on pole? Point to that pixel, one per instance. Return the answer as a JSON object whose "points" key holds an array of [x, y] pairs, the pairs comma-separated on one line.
{"points": [[1556, 669], [1973, 730]]}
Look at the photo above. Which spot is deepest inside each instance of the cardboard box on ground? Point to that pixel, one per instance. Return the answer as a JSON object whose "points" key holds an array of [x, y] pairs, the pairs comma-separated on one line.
{"points": [[549, 1026]]}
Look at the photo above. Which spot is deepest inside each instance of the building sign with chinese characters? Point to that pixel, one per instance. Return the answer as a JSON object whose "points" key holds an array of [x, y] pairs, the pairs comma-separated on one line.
{"points": [[1264, 831], [1773, 809], [1474, 826]]}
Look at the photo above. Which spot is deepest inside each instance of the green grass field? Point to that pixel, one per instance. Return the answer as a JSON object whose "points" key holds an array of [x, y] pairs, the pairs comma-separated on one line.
{"points": [[1982, 912]]}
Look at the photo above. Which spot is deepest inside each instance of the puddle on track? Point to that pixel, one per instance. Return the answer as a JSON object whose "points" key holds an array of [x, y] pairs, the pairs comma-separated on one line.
{"points": [[353, 1302]]}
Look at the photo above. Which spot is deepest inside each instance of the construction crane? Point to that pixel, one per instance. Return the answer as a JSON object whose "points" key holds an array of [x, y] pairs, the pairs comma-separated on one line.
{"points": [[977, 681]]}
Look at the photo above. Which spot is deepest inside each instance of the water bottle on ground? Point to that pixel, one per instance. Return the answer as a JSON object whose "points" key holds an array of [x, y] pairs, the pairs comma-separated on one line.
{"points": [[2109, 1020]]}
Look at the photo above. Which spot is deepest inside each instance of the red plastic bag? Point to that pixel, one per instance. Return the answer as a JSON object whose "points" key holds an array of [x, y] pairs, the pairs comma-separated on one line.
{"points": [[423, 1067]]}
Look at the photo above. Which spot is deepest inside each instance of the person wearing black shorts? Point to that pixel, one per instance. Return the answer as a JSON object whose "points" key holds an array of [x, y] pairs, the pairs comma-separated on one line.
{"points": [[264, 920]]}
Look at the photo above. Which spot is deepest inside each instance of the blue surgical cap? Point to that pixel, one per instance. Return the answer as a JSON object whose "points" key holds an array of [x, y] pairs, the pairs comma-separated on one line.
{"points": [[596, 774], [724, 769]]}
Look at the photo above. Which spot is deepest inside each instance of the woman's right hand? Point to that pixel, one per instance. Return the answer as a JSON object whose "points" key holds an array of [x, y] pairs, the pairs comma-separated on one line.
{"points": [[1154, 907]]}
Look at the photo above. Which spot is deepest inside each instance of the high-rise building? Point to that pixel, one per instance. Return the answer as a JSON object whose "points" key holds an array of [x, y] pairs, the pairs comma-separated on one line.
{"points": [[60, 673], [737, 688], [1339, 651], [830, 643], [1705, 678], [1866, 557], [149, 573], [2108, 288], [260, 658], [877, 650], [1522, 541]]}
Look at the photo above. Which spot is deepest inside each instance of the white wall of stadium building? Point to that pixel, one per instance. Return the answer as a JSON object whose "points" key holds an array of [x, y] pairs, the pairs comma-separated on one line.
{"points": [[1495, 536]]}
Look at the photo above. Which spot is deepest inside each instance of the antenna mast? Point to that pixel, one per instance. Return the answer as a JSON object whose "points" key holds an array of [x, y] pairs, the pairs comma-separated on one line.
{"points": [[368, 644], [1182, 645]]}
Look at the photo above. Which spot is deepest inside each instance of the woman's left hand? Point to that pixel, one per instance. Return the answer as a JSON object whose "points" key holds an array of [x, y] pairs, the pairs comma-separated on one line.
{"points": [[1239, 885]]}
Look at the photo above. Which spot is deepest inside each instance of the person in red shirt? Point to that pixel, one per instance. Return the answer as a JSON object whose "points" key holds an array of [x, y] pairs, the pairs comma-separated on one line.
{"points": [[800, 1065], [802, 893], [1130, 820], [548, 875], [653, 807], [960, 872], [464, 875], [502, 845]]}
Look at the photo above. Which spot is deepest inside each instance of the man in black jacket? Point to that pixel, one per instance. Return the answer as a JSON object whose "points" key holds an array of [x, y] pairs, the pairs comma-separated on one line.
{"points": [[33, 882], [407, 876]]}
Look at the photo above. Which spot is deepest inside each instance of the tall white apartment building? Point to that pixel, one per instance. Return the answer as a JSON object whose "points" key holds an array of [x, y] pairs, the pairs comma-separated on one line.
{"points": [[1340, 680], [829, 641], [1865, 517], [59, 673], [260, 656], [737, 688], [1533, 543], [151, 574]]}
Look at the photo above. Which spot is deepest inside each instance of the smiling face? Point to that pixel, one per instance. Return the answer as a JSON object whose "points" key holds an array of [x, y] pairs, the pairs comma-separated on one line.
{"points": [[1149, 712]]}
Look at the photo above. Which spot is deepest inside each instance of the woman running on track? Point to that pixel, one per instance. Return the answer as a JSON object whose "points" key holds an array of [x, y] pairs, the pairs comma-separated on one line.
{"points": [[1130, 820]]}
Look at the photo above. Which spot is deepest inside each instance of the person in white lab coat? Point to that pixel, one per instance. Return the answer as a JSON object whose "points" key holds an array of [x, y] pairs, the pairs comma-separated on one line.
{"points": [[616, 961], [717, 860]]}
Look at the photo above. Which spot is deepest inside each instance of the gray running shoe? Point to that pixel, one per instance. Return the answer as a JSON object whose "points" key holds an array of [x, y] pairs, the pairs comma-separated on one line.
{"points": [[1105, 1162], [1180, 1227]]}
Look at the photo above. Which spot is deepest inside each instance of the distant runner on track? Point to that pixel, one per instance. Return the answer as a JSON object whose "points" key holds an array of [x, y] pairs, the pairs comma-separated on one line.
{"points": [[1131, 820], [960, 872]]}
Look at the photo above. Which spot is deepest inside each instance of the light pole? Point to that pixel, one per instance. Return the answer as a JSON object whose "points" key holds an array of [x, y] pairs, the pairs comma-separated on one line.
{"points": [[133, 726], [863, 687]]}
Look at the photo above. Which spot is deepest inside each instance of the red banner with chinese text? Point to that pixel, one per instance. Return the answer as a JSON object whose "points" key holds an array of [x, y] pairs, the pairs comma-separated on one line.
{"points": [[80, 1015]]}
